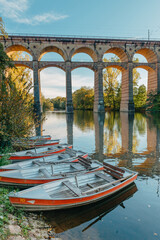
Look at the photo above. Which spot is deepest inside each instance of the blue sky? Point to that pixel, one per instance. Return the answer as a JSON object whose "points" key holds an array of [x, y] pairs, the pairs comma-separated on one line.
{"points": [[116, 18]]}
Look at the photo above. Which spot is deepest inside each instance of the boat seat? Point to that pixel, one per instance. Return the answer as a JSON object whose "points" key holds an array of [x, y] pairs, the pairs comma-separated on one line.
{"points": [[103, 176], [29, 152], [61, 157], [72, 187], [36, 162], [45, 172], [75, 166], [71, 152]]}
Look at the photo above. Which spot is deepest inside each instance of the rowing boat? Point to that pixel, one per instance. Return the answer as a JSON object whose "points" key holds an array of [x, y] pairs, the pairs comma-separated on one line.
{"points": [[37, 143], [38, 152], [74, 191], [51, 172], [33, 138], [69, 155], [63, 220]]}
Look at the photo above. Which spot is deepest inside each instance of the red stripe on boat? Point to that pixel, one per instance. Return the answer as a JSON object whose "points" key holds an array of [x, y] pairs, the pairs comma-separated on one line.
{"points": [[45, 202]]}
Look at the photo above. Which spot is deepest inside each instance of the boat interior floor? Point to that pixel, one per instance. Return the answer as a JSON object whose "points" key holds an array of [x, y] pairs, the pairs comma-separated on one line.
{"points": [[71, 190]]}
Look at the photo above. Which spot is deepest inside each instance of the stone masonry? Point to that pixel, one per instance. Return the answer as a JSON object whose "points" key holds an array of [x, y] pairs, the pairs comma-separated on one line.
{"points": [[67, 47]]}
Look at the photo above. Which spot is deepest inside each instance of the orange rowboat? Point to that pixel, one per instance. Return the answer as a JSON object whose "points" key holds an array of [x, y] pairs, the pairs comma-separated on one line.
{"points": [[75, 191], [38, 152], [50, 172], [69, 155]]}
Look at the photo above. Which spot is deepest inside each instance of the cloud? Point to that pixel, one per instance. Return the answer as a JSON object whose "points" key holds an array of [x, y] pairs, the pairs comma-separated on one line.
{"points": [[15, 10]]}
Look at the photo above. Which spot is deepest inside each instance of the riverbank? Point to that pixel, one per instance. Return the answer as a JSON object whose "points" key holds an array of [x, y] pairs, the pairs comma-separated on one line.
{"points": [[19, 225]]}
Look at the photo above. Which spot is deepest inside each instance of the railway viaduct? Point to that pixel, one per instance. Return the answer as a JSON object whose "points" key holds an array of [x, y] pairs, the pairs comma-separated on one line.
{"points": [[67, 47]]}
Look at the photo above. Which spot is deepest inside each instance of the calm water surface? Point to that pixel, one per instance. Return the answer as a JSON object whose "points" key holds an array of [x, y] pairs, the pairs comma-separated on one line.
{"points": [[130, 141]]}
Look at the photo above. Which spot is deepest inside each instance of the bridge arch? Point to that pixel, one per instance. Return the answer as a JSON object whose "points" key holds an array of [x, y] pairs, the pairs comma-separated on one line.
{"points": [[15, 48], [25, 64], [83, 49], [83, 65], [49, 65], [148, 53], [151, 58], [52, 48], [120, 52]]}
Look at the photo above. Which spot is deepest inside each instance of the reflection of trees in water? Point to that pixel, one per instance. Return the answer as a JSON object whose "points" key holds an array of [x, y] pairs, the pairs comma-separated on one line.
{"points": [[153, 119], [139, 127], [84, 120], [112, 133], [140, 123]]}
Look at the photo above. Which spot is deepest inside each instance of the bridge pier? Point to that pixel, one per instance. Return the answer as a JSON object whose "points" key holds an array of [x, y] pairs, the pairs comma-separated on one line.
{"points": [[98, 89], [127, 104], [69, 103], [37, 89]]}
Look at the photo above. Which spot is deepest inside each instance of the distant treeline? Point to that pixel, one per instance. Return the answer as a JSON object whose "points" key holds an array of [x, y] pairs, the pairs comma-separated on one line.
{"points": [[83, 99]]}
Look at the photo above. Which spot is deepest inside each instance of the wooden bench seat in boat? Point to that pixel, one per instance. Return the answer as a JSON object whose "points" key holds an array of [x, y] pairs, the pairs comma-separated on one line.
{"points": [[103, 176], [72, 187], [76, 167], [45, 172]]}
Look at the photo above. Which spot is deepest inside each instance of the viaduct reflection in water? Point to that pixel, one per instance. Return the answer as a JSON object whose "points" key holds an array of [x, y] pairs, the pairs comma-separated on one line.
{"points": [[132, 139]]}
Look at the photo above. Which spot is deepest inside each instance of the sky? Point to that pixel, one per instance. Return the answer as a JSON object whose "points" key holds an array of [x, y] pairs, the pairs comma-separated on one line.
{"points": [[116, 18]]}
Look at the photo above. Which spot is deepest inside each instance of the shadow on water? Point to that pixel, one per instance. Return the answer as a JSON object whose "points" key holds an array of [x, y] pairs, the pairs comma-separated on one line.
{"points": [[63, 220]]}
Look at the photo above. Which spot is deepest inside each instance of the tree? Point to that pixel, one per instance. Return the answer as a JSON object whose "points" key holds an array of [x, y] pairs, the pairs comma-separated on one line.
{"points": [[83, 98], [153, 101], [140, 96], [59, 103], [3, 33], [16, 112], [112, 85], [46, 104]]}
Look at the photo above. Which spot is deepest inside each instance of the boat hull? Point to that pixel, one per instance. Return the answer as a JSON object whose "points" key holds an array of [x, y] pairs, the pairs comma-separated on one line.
{"points": [[14, 166], [24, 183], [40, 155], [33, 204]]}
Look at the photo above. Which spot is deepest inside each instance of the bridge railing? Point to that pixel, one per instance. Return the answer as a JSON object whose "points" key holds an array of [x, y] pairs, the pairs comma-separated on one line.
{"points": [[80, 37]]}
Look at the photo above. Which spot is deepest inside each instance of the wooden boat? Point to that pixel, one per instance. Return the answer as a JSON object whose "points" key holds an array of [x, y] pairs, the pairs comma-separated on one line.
{"points": [[88, 215], [36, 143], [33, 138], [51, 172], [74, 191], [69, 155], [38, 152]]}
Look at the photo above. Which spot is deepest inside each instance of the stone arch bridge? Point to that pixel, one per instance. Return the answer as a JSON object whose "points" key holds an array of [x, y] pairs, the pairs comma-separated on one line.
{"points": [[67, 47]]}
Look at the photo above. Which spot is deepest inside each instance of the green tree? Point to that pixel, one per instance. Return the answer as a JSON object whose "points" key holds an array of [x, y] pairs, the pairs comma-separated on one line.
{"points": [[153, 101], [112, 85], [15, 101], [140, 96], [112, 92], [83, 98], [59, 103], [46, 104]]}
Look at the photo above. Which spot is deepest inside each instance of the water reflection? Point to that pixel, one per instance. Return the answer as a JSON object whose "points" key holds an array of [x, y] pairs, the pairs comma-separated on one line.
{"points": [[130, 140], [127, 140], [89, 215], [69, 120]]}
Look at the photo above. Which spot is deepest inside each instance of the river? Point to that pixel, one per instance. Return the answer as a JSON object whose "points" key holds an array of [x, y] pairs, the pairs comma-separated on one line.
{"points": [[130, 141]]}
